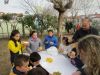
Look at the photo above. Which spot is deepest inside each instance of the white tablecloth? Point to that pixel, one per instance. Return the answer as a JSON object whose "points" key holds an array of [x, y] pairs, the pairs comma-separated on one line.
{"points": [[60, 63]]}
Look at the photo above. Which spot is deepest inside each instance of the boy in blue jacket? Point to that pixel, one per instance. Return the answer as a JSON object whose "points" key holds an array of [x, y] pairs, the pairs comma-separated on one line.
{"points": [[50, 40]]}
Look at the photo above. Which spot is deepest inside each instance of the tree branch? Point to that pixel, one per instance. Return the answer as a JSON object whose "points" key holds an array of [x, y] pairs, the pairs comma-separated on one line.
{"points": [[58, 5], [69, 4], [28, 3]]}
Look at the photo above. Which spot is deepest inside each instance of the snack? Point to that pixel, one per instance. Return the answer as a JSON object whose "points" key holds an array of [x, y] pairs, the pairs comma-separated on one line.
{"points": [[56, 73], [61, 51], [40, 49], [49, 60], [25, 42]]}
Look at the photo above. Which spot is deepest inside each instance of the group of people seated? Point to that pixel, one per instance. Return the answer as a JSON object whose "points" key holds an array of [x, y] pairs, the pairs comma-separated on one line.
{"points": [[34, 44], [28, 65], [84, 54]]}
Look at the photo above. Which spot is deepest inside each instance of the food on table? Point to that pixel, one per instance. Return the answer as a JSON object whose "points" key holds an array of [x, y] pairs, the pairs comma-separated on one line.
{"points": [[49, 60], [40, 49], [60, 51], [25, 42], [52, 51], [56, 73]]}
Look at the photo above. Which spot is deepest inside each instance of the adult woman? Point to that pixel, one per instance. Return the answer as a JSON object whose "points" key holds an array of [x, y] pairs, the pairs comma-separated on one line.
{"points": [[89, 50]]}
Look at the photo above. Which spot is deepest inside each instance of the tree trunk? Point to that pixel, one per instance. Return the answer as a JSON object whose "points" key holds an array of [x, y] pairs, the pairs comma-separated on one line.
{"points": [[23, 29], [13, 27], [7, 29], [2, 31], [60, 25], [41, 33]]}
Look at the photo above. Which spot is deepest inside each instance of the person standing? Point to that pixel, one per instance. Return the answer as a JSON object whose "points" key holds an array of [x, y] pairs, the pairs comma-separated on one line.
{"points": [[86, 29]]}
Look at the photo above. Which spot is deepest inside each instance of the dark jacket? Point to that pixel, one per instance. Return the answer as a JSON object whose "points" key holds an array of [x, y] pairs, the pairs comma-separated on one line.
{"points": [[39, 70], [15, 71], [81, 33], [82, 72], [77, 62]]}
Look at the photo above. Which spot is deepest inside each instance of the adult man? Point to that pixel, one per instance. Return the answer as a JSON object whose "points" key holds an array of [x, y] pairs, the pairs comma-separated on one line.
{"points": [[86, 29]]}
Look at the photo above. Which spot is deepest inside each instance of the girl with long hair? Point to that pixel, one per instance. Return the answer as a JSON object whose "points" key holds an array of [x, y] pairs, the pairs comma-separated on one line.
{"points": [[14, 45]]}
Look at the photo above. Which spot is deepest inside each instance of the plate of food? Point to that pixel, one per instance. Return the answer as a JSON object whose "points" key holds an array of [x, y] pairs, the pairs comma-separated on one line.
{"points": [[52, 51], [49, 60], [56, 73]]}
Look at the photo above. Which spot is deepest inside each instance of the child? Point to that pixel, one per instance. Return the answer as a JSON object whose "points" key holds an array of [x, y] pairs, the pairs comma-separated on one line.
{"points": [[35, 61], [35, 44], [14, 45], [50, 40], [65, 41], [64, 46], [75, 60], [37, 71], [21, 63]]}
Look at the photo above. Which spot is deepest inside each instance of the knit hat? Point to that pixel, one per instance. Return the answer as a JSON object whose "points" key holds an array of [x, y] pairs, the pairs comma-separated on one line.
{"points": [[35, 57]]}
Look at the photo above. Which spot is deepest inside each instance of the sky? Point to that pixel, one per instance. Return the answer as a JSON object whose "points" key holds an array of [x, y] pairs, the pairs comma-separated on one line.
{"points": [[16, 6], [13, 6]]}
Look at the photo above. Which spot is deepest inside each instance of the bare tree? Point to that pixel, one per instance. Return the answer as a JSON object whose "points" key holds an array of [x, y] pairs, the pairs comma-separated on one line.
{"points": [[74, 11], [61, 6], [31, 6], [84, 7], [87, 6]]}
